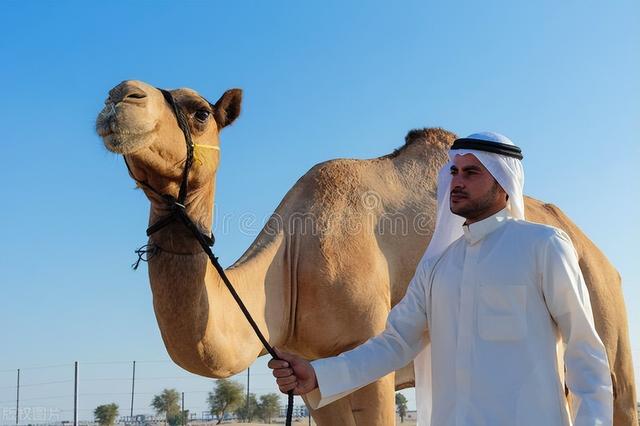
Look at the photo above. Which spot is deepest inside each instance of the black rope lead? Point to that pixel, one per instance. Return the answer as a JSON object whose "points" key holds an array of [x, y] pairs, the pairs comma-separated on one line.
{"points": [[236, 297], [203, 240], [145, 253]]}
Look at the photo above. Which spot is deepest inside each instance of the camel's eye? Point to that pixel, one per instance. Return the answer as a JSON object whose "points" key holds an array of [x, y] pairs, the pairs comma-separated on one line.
{"points": [[202, 115]]}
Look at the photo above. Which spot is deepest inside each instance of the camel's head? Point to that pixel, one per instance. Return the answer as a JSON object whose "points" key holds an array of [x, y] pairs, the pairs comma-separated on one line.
{"points": [[139, 123]]}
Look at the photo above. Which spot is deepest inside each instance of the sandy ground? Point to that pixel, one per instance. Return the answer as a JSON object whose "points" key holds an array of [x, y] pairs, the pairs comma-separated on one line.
{"points": [[305, 422]]}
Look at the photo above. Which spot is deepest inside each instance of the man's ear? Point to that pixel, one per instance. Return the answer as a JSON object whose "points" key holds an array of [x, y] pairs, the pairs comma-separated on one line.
{"points": [[227, 109]]}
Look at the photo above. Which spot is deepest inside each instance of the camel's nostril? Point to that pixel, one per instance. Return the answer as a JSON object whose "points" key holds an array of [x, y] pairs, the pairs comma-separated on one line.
{"points": [[126, 92], [136, 95]]}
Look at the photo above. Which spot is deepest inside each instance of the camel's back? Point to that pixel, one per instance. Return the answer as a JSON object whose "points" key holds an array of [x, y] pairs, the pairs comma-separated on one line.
{"points": [[380, 210], [359, 228]]}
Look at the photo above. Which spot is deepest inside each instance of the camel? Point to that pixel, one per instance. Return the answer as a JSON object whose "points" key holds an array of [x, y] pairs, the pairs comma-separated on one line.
{"points": [[335, 256]]}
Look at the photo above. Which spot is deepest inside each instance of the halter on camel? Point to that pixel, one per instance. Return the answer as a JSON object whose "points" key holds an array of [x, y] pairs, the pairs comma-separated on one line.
{"points": [[178, 213]]}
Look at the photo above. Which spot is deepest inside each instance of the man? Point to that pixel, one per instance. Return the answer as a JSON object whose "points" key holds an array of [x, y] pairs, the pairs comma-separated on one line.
{"points": [[495, 293]]}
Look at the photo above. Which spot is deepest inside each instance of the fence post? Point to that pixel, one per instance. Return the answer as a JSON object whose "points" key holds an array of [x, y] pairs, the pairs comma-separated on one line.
{"points": [[248, 377], [18, 398], [133, 388], [182, 411], [75, 395]]}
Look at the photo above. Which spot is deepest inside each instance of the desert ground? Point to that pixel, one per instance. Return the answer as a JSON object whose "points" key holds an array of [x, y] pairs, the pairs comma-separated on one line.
{"points": [[305, 422]]}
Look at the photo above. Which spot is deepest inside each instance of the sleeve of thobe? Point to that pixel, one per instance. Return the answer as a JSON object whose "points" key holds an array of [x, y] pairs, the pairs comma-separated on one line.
{"points": [[403, 337], [567, 298]]}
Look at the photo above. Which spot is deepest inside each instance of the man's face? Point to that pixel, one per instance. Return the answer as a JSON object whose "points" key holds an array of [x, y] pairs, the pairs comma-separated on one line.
{"points": [[475, 194]]}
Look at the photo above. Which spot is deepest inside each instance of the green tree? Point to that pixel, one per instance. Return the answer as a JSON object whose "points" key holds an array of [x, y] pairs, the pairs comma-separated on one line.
{"points": [[181, 418], [107, 414], [247, 413], [401, 406], [168, 404], [227, 396], [269, 406]]}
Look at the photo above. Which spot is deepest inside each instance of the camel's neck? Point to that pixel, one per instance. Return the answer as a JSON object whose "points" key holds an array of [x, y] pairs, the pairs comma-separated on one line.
{"points": [[175, 237], [204, 330]]}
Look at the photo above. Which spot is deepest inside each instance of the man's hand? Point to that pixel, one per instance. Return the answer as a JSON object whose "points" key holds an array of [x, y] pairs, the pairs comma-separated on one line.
{"points": [[293, 373]]}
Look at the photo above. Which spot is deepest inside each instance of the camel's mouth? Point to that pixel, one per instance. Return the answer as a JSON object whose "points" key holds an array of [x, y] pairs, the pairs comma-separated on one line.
{"points": [[121, 136], [127, 143]]}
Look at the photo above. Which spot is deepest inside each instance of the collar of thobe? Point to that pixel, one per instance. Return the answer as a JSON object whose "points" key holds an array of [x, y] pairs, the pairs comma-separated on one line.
{"points": [[478, 230]]}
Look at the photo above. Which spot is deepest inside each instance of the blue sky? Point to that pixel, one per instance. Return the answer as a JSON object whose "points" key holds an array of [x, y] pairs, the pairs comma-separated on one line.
{"points": [[321, 80]]}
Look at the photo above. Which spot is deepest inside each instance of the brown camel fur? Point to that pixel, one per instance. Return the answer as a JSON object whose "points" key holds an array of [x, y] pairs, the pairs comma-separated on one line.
{"points": [[335, 256]]}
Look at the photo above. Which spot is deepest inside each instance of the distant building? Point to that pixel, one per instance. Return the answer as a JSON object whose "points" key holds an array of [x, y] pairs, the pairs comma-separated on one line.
{"points": [[298, 411], [411, 415], [141, 420]]}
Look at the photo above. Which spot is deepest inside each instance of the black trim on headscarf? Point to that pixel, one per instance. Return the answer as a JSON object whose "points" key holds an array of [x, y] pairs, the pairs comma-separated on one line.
{"points": [[488, 146]]}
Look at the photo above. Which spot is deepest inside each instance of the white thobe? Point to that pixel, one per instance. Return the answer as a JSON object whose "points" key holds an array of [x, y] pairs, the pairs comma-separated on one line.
{"points": [[496, 303]]}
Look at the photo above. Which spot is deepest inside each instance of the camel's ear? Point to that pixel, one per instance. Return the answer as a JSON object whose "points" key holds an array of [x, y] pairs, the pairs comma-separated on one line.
{"points": [[227, 109]]}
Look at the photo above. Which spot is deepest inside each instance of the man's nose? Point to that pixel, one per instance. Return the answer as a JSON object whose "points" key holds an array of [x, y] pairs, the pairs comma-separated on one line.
{"points": [[456, 182]]}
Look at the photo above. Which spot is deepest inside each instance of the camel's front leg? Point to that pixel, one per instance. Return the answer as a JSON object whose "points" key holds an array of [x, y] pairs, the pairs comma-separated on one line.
{"points": [[373, 405]]}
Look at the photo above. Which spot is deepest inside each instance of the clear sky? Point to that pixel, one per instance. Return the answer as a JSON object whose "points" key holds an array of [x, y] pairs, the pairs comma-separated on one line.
{"points": [[321, 80]]}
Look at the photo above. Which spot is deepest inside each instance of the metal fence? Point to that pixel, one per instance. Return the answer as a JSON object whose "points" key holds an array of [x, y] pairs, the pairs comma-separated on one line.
{"points": [[67, 394]]}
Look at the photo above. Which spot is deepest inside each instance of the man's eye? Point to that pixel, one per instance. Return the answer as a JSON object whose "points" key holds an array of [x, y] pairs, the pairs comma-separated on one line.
{"points": [[202, 115]]}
